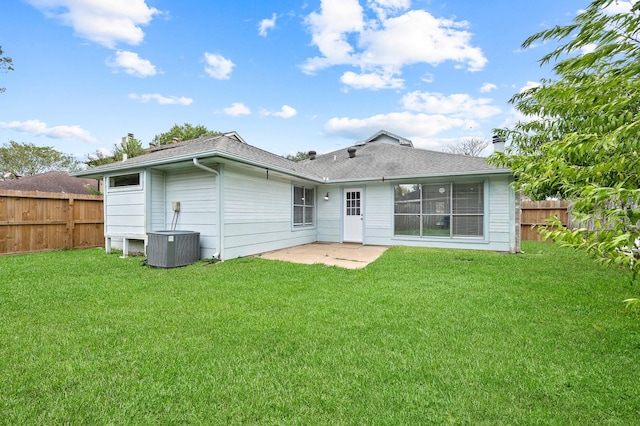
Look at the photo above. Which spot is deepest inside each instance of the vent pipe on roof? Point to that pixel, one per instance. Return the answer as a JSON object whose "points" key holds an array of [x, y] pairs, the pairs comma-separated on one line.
{"points": [[498, 144], [352, 152], [312, 155]]}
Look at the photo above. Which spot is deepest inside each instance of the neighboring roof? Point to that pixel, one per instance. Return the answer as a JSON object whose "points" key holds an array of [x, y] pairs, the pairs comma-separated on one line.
{"points": [[50, 182], [382, 156], [385, 136]]}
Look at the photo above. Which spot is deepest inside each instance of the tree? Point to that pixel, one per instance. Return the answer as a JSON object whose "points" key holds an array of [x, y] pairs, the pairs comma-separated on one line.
{"points": [[26, 159], [298, 156], [6, 64], [471, 147], [182, 133], [130, 146], [98, 158], [582, 142]]}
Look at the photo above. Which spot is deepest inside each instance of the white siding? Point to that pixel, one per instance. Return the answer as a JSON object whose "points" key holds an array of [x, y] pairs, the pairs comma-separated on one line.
{"points": [[501, 212], [195, 190], [125, 214], [125, 210], [378, 218], [329, 214], [257, 213], [157, 203], [378, 214]]}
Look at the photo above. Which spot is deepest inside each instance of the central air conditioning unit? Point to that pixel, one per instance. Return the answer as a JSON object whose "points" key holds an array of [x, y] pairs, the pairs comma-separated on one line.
{"points": [[170, 249]]}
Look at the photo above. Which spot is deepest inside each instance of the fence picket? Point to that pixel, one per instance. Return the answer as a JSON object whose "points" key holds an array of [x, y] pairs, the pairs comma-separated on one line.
{"points": [[32, 221]]}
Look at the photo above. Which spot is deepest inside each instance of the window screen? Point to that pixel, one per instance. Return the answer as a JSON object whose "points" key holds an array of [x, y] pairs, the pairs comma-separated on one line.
{"points": [[439, 210], [303, 206]]}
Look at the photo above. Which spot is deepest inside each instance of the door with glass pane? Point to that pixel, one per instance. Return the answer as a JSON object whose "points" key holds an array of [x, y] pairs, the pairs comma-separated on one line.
{"points": [[353, 215]]}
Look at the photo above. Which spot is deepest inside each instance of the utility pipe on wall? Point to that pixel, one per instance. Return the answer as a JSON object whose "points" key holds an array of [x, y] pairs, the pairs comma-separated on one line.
{"points": [[219, 204]]}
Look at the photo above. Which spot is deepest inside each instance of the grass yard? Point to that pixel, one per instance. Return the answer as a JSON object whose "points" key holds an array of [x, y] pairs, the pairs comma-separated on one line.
{"points": [[418, 337]]}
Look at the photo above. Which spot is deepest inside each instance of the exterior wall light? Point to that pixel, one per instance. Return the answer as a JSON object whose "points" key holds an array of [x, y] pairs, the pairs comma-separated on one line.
{"points": [[326, 197]]}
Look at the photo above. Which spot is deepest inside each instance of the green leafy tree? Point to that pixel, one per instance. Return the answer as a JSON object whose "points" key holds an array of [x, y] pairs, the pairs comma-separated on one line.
{"points": [[582, 140], [182, 133], [298, 156], [6, 64], [130, 146], [26, 159], [98, 158]]}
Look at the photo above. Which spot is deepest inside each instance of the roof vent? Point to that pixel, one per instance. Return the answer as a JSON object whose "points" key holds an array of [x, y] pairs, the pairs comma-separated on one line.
{"points": [[352, 152], [312, 155]]}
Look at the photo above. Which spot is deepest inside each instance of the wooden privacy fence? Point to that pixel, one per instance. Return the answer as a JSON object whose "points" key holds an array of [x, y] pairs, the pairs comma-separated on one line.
{"points": [[537, 212], [33, 221]]}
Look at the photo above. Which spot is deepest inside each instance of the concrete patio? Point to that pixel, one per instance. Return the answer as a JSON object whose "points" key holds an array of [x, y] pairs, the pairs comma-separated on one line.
{"points": [[345, 255]]}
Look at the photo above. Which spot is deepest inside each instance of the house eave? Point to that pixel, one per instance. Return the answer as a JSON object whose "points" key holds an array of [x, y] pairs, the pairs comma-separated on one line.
{"points": [[123, 166], [420, 176]]}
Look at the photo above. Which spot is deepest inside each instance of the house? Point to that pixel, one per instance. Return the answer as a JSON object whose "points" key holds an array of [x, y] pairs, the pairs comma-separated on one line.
{"points": [[52, 182], [244, 200]]}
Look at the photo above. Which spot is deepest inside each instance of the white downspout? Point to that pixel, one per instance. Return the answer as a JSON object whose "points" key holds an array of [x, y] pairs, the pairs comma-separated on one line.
{"points": [[219, 202]]}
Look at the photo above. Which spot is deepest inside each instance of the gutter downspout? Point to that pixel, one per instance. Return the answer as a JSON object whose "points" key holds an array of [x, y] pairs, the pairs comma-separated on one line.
{"points": [[196, 163]]}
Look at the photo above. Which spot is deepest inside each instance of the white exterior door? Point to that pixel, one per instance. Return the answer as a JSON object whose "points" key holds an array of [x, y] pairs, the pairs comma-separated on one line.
{"points": [[352, 215]]}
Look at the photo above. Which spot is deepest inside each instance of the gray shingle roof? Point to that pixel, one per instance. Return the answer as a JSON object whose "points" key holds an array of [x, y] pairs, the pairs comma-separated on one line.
{"points": [[373, 160], [208, 146]]}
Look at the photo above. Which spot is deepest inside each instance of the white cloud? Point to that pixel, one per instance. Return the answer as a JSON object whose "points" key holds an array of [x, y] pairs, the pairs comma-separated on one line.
{"points": [[236, 109], [104, 22], [371, 81], [162, 100], [218, 66], [588, 48], [384, 7], [428, 78], [529, 85], [424, 116], [285, 112], [618, 6], [488, 87], [329, 31], [384, 45], [456, 105], [132, 64], [514, 117], [405, 123], [39, 128], [267, 24]]}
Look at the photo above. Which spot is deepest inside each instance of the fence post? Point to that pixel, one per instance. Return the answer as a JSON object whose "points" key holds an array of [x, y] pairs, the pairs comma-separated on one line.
{"points": [[71, 223]]}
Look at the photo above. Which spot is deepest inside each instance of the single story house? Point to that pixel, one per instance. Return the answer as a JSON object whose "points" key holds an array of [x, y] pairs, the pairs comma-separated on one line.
{"points": [[244, 200]]}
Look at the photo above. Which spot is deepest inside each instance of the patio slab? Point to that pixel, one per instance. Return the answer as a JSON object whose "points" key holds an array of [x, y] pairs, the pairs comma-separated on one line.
{"points": [[345, 255]]}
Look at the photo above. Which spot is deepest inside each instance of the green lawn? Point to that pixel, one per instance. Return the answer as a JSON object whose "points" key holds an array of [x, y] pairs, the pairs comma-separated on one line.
{"points": [[417, 337]]}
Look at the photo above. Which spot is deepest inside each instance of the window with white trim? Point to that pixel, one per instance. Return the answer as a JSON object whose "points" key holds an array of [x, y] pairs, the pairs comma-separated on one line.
{"points": [[439, 210], [123, 181], [303, 206]]}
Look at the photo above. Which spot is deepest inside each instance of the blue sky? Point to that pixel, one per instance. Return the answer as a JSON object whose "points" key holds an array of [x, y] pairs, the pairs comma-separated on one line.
{"points": [[288, 76]]}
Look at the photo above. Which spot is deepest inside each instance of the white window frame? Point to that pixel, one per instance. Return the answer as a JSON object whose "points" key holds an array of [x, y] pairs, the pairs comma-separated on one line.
{"points": [[308, 203], [110, 180], [421, 214]]}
